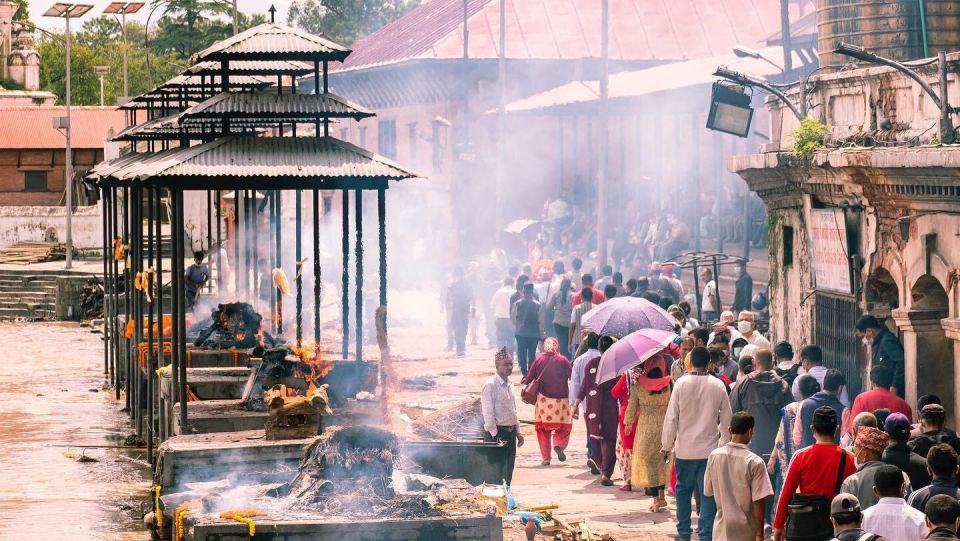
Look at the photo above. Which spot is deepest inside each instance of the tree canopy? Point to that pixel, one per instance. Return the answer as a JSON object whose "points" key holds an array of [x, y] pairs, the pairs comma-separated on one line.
{"points": [[186, 27], [346, 21]]}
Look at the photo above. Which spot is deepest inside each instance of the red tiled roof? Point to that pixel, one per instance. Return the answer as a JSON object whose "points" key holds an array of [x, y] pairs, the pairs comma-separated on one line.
{"points": [[32, 127], [569, 29]]}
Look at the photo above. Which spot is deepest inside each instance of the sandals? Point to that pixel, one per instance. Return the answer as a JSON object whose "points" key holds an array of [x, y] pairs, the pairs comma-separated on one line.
{"points": [[658, 505], [626, 487], [545, 463]]}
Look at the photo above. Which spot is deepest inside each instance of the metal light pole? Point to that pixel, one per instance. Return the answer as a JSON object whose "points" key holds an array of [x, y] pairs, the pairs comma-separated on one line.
{"points": [[101, 71], [122, 9], [604, 136], [68, 11]]}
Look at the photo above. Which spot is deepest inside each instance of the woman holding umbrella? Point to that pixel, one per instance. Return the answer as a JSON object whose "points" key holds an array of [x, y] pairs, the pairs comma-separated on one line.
{"points": [[552, 416], [643, 421], [603, 412]]}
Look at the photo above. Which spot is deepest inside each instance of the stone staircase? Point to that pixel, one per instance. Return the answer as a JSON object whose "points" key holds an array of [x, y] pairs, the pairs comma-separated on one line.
{"points": [[29, 294]]}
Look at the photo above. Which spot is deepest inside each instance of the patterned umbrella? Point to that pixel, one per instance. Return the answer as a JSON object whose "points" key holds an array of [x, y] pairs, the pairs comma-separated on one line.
{"points": [[621, 316], [632, 350]]}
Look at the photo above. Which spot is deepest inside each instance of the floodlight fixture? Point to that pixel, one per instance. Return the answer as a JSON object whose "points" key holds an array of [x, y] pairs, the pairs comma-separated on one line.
{"points": [[730, 110], [750, 80]]}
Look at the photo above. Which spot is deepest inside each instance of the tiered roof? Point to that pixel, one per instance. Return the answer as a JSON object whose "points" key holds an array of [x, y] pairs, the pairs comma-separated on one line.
{"points": [[237, 121]]}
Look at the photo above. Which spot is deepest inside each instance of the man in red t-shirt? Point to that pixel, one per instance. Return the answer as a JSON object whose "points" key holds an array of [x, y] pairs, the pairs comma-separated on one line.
{"points": [[880, 396], [598, 295], [813, 470]]}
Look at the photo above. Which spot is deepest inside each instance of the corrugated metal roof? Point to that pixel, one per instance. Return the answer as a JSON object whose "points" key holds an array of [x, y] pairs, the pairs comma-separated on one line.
{"points": [[271, 104], [261, 157], [570, 29], [205, 82], [169, 128], [253, 67], [632, 84], [32, 127], [279, 42]]}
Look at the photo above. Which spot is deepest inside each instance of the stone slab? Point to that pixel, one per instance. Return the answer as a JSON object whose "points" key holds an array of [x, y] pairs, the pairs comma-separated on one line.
{"points": [[466, 527]]}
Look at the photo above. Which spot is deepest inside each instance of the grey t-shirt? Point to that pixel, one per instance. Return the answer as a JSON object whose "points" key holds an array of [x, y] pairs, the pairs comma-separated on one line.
{"points": [[197, 274]]}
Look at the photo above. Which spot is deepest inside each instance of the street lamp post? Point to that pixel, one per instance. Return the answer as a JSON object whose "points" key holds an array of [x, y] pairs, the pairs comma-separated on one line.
{"points": [[122, 9], [101, 71], [67, 12]]}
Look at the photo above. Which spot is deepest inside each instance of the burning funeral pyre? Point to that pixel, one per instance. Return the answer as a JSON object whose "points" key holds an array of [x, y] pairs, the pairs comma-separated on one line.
{"points": [[347, 473], [234, 325]]}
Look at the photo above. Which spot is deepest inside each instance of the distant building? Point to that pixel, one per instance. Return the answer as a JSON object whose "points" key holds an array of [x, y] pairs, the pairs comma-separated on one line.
{"points": [[32, 155], [434, 96], [20, 63], [868, 224]]}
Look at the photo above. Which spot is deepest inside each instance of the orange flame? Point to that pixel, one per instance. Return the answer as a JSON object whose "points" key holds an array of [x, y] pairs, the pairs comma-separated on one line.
{"points": [[311, 355]]}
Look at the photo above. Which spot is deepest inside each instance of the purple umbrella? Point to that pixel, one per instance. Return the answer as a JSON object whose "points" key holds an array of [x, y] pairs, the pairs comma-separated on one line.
{"points": [[632, 350], [621, 316]]}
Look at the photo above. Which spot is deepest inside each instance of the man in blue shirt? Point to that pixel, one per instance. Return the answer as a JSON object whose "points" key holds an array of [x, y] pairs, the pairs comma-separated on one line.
{"points": [[833, 383], [942, 463], [195, 278]]}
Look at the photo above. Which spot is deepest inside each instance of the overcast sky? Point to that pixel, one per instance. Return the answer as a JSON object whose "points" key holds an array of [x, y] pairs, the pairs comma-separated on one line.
{"points": [[37, 7]]}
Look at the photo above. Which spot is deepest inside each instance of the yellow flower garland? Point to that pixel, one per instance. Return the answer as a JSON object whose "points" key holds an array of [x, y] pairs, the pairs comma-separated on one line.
{"points": [[243, 516], [157, 511]]}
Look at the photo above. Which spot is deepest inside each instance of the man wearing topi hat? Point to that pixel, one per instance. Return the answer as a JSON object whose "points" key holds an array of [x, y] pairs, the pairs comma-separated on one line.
{"points": [[868, 450], [499, 407]]}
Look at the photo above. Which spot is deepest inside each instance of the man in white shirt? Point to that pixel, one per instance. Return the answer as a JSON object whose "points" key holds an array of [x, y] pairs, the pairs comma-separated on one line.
{"points": [[738, 481], [696, 421], [500, 305], [891, 517], [709, 302], [811, 361], [499, 407], [747, 326]]}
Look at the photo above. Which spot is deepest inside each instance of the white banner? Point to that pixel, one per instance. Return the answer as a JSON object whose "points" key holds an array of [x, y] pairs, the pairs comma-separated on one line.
{"points": [[828, 243]]}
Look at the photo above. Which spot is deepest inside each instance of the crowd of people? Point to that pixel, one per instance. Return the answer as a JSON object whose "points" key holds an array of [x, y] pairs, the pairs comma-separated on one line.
{"points": [[765, 443]]}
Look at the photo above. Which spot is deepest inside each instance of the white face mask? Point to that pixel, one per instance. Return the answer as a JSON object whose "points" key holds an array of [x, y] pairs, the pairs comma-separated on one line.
{"points": [[744, 326], [865, 340]]}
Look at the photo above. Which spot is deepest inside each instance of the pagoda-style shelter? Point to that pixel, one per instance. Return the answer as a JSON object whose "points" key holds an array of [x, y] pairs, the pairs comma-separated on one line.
{"points": [[234, 123]]}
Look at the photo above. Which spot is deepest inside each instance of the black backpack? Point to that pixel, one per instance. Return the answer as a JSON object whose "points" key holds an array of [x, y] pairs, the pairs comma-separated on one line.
{"points": [[788, 375]]}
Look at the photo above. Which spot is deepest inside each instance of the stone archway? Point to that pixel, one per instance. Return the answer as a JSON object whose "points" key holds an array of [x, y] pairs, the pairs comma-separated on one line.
{"points": [[925, 342], [881, 293]]}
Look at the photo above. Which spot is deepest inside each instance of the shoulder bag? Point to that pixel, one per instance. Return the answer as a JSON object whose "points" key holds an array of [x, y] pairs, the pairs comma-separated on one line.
{"points": [[808, 517], [530, 392]]}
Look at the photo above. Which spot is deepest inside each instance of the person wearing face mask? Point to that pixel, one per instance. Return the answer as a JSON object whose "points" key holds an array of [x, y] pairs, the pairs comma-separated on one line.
{"points": [[867, 451], [885, 349], [747, 326]]}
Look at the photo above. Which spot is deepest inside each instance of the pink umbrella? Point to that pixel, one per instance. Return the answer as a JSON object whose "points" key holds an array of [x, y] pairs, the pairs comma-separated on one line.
{"points": [[632, 350]]}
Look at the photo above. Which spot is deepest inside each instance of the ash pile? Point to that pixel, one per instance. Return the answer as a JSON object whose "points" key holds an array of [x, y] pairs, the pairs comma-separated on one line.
{"points": [[347, 473]]}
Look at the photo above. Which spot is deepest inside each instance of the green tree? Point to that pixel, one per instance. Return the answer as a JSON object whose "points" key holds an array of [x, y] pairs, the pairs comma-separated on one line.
{"points": [[346, 21], [189, 26], [23, 11]]}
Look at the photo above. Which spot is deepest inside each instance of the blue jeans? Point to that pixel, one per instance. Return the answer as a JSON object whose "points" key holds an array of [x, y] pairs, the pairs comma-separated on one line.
{"points": [[690, 475]]}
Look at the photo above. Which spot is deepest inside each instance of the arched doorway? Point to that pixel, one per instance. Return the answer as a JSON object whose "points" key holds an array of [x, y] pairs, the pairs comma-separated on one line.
{"points": [[881, 293], [934, 351]]}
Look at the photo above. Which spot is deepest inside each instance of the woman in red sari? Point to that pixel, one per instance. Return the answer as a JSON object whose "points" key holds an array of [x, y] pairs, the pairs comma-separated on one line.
{"points": [[553, 417], [621, 391]]}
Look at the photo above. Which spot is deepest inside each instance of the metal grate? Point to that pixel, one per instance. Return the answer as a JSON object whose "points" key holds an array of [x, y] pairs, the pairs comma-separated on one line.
{"points": [[834, 321]]}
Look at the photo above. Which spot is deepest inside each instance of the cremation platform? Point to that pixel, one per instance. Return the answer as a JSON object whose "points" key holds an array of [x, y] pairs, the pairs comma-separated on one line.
{"points": [[236, 455], [211, 383], [457, 527], [209, 416]]}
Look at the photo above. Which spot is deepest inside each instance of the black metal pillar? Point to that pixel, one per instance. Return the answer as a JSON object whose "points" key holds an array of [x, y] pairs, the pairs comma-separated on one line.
{"points": [[151, 308], [298, 218], [181, 320], [176, 311], [278, 239], [218, 204], [158, 210], [209, 234], [382, 221], [236, 242], [345, 278], [317, 274], [358, 224], [115, 306], [105, 234]]}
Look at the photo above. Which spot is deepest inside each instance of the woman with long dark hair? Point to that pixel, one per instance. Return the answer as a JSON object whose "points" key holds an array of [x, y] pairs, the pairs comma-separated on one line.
{"points": [[561, 305]]}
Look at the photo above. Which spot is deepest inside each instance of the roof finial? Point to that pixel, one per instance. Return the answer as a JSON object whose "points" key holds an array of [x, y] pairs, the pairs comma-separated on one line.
{"points": [[273, 13]]}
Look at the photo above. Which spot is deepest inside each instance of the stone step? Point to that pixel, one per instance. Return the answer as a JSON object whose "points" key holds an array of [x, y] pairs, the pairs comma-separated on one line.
{"points": [[43, 289], [7, 298], [7, 314], [29, 306]]}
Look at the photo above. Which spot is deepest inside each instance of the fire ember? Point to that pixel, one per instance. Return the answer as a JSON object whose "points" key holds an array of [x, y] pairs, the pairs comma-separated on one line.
{"points": [[234, 325]]}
